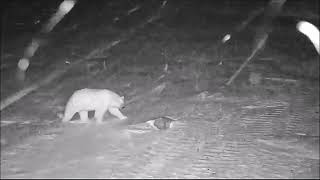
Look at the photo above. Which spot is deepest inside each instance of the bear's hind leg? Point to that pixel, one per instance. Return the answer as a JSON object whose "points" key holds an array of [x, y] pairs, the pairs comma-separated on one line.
{"points": [[98, 114]]}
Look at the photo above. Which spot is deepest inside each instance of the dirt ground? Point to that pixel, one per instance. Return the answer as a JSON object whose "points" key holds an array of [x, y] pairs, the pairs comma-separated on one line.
{"points": [[177, 67]]}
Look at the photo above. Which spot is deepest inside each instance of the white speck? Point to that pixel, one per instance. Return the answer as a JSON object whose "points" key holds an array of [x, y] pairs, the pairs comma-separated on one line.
{"points": [[301, 134], [226, 38], [5, 123], [100, 157], [23, 64], [66, 6]]}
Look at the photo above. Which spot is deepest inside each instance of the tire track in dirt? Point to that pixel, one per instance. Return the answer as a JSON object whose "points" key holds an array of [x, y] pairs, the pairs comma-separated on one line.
{"points": [[217, 157], [299, 124], [196, 147], [237, 154], [194, 141], [174, 151], [129, 159], [171, 149], [226, 153], [282, 160], [192, 151], [279, 161], [265, 124], [303, 116]]}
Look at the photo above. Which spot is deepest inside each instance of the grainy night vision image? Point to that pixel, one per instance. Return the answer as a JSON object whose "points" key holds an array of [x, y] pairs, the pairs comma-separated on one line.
{"points": [[160, 89]]}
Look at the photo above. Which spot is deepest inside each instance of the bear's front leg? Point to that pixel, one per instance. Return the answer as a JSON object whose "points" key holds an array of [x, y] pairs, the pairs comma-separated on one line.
{"points": [[117, 113]]}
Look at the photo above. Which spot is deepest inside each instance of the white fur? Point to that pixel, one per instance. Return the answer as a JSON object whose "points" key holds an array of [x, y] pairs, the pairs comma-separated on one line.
{"points": [[98, 100]]}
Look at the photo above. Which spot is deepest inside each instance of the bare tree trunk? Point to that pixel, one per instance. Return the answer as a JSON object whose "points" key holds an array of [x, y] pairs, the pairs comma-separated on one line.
{"points": [[262, 34]]}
